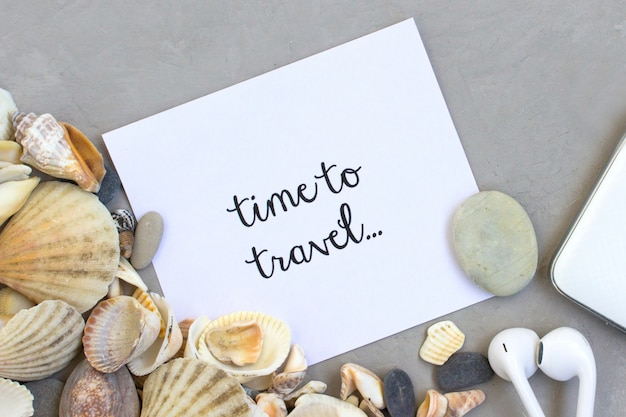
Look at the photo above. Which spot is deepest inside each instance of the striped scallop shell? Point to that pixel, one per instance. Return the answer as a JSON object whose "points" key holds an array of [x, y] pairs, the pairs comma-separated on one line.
{"points": [[189, 387], [117, 331], [442, 340], [40, 341], [62, 244], [15, 399], [274, 350]]}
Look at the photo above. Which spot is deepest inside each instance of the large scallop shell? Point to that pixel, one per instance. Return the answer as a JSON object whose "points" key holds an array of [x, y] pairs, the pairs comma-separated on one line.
{"points": [[189, 387], [117, 331], [40, 341], [15, 399], [316, 405], [59, 149], [62, 244], [276, 344], [166, 344], [443, 339], [88, 392]]}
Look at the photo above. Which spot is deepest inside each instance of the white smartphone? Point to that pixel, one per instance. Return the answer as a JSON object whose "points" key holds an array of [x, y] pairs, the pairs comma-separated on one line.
{"points": [[590, 265]]}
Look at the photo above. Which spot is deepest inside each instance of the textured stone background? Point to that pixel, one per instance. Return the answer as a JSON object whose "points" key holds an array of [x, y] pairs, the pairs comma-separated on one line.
{"points": [[536, 89]]}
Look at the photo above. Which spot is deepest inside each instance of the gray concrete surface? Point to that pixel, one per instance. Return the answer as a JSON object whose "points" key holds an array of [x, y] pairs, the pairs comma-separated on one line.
{"points": [[536, 89]]}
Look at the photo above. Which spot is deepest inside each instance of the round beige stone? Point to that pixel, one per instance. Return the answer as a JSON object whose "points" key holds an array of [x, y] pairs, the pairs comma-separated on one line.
{"points": [[148, 234], [495, 242]]}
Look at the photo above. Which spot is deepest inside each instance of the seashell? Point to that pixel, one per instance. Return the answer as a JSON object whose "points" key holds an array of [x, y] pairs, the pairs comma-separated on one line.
{"points": [[271, 404], [16, 399], [183, 325], [12, 302], [59, 149], [127, 273], [311, 387], [189, 387], [117, 331], [14, 172], [370, 409], [115, 289], [276, 344], [293, 373], [238, 343], [88, 392], [39, 341], [316, 405], [164, 347], [461, 403], [126, 222], [434, 405], [10, 152], [368, 384], [353, 399], [443, 339], [13, 196], [61, 244], [7, 108], [147, 301]]}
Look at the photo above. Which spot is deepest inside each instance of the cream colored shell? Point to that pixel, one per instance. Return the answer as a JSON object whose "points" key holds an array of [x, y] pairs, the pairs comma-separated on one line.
{"points": [[117, 331], [62, 244], [10, 152], [15, 399], [434, 405], [7, 108], [13, 196], [40, 341], [317, 405], [276, 344], [187, 387], [442, 341], [358, 378]]}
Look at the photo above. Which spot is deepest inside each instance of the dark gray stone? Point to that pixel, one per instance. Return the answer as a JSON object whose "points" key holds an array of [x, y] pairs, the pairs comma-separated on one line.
{"points": [[399, 394], [463, 370], [110, 186], [47, 393]]}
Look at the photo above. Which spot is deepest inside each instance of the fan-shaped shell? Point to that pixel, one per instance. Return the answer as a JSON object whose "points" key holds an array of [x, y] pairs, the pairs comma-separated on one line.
{"points": [[40, 341], [315, 405], [118, 330], [88, 392], [443, 339], [15, 399], [189, 387], [59, 149], [62, 244], [276, 344], [12, 302], [164, 347]]}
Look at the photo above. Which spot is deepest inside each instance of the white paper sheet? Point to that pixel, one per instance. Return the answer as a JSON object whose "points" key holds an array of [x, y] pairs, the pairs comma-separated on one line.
{"points": [[362, 140]]}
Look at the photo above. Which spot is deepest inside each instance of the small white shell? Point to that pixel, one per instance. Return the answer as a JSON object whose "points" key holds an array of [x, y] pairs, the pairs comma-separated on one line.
{"points": [[443, 339], [355, 377], [10, 152], [7, 108], [13, 195], [316, 405], [14, 172], [434, 405], [276, 344], [127, 273], [165, 346], [15, 399]]}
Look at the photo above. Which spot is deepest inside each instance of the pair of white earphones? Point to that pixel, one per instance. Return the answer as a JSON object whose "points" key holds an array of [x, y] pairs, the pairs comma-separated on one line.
{"points": [[516, 354]]}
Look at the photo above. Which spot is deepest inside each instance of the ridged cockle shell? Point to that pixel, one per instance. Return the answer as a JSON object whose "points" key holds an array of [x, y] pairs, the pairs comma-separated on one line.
{"points": [[443, 339]]}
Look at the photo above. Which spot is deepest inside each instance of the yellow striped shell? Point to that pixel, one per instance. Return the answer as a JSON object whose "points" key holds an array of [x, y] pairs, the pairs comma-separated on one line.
{"points": [[443, 339], [62, 244], [274, 351], [189, 387], [40, 341]]}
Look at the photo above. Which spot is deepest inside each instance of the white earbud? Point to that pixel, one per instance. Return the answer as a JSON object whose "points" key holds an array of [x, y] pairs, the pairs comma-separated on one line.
{"points": [[512, 355], [565, 353]]}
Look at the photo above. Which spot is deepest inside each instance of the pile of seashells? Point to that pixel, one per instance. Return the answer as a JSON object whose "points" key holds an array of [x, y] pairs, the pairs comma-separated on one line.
{"points": [[71, 300]]}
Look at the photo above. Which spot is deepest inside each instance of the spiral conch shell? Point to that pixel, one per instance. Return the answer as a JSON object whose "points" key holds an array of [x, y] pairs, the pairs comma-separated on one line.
{"points": [[40, 341], [62, 244], [443, 339], [275, 347], [59, 149], [190, 387]]}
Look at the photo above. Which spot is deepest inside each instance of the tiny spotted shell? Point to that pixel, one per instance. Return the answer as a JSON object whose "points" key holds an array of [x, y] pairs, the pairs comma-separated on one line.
{"points": [[443, 339]]}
